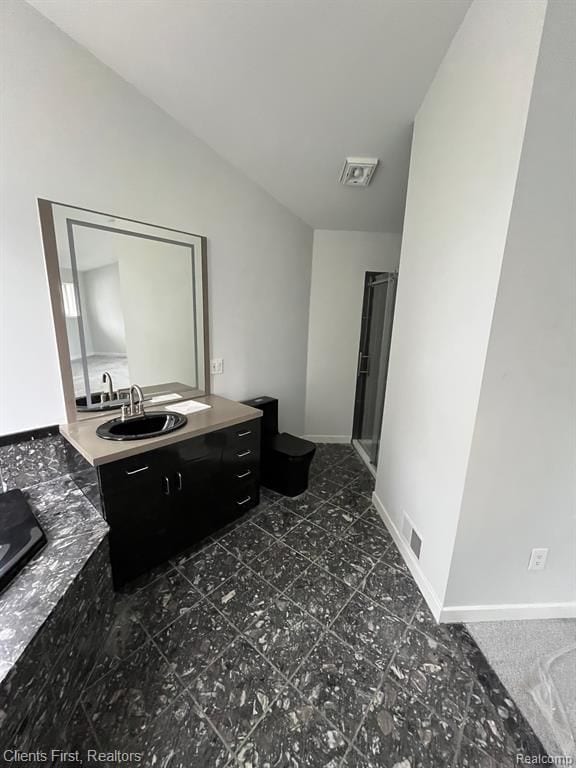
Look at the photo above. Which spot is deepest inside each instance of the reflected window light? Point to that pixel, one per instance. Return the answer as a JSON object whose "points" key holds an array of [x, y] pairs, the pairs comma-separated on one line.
{"points": [[70, 304]]}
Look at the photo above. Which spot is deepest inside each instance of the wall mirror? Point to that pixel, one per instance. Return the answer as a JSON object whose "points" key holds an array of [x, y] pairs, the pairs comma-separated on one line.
{"points": [[129, 301]]}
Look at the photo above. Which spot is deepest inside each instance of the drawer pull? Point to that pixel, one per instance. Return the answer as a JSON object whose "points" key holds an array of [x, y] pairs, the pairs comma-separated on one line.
{"points": [[166, 485], [245, 434], [244, 453], [244, 474], [244, 501], [179, 483], [135, 471]]}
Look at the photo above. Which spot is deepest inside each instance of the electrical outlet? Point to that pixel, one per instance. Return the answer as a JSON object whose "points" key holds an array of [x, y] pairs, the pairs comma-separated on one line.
{"points": [[216, 366], [538, 560]]}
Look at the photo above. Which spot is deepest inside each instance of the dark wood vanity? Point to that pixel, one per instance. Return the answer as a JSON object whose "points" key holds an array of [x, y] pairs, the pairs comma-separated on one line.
{"points": [[160, 502], [162, 495]]}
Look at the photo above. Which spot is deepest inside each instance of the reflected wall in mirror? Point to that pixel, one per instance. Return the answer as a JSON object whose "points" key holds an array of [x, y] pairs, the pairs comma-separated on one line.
{"points": [[129, 303]]}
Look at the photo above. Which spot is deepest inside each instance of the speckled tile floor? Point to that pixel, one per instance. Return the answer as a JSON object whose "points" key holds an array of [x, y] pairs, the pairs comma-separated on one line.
{"points": [[299, 639]]}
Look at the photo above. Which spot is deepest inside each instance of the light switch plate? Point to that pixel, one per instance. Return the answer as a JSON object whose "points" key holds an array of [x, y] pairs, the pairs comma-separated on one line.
{"points": [[216, 366]]}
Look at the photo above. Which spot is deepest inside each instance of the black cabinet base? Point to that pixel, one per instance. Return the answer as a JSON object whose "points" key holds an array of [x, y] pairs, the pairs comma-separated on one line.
{"points": [[160, 503], [131, 557]]}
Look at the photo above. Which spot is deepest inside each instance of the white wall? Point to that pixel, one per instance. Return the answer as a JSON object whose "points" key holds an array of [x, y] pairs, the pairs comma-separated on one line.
{"points": [[339, 264], [465, 154], [74, 132], [102, 309], [158, 304], [520, 489]]}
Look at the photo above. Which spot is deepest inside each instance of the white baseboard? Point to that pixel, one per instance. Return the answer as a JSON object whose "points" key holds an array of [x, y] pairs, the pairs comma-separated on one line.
{"points": [[329, 438], [450, 614], [364, 456], [413, 564], [507, 612]]}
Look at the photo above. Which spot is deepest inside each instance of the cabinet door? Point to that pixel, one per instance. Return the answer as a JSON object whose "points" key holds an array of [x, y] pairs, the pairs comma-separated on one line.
{"points": [[196, 503], [138, 507], [197, 487]]}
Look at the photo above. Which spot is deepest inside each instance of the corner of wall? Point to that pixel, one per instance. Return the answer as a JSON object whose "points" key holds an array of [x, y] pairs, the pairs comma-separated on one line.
{"points": [[519, 492], [429, 593]]}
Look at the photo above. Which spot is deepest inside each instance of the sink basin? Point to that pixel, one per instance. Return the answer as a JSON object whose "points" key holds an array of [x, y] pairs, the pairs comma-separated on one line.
{"points": [[152, 424], [107, 405]]}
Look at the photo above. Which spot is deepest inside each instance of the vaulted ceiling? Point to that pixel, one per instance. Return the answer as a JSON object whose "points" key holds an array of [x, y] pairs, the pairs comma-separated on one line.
{"points": [[283, 89]]}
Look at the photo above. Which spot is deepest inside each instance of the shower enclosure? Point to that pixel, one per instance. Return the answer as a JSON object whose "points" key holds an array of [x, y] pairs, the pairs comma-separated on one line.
{"points": [[373, 356]]}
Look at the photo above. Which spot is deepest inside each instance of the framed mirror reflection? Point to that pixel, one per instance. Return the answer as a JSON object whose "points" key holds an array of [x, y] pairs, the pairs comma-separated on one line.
{"points": [[129, 301]]}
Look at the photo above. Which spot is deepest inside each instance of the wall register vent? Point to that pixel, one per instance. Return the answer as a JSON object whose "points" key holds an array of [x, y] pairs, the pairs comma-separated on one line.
{"points": [[410, 535]]}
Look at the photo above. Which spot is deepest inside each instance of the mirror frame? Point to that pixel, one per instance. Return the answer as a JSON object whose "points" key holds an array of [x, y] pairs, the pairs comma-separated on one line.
{"points": [[48, 231]]}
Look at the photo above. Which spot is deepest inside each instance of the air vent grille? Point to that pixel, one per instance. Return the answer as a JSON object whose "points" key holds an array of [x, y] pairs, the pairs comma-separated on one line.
{"points": [[415, 543], [411, 536]]}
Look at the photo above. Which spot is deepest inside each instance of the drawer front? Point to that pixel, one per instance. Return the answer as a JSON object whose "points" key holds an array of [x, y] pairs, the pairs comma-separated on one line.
{"points": [[242, 452], [241, 456], [245, 435], [241, 474], [241, 499], [239, 470], [132, 473], [241, 467]]}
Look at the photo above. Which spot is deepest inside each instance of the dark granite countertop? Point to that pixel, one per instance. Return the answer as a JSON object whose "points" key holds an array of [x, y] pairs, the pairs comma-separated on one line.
{"points": [[62, 490]]}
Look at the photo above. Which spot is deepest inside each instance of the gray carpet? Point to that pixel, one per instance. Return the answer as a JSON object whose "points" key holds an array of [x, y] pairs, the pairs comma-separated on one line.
{"points": [[518, 651]]}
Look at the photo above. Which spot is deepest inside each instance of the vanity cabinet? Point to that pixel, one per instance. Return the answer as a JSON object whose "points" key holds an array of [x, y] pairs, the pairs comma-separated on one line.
{"points": [[160, 502]]}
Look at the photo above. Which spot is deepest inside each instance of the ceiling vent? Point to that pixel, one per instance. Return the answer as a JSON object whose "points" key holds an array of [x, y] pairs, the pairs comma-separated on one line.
{"points": [[358, 171]]}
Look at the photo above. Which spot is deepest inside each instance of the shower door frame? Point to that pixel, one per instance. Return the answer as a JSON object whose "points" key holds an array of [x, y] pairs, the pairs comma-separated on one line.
{"points": [[366, 362]]}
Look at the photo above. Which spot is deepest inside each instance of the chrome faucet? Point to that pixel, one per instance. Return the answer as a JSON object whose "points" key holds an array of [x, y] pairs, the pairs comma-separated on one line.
{"points": [[106, 378], [135, 407]]}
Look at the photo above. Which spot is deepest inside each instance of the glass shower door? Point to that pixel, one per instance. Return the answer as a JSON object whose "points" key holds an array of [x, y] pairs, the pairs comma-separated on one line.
{"points": [[373, 357]]}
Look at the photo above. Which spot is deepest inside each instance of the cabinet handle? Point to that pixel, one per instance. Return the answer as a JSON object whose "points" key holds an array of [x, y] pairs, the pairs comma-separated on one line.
{"points": [[166, 481], [135, 471], [244, 453], [244, 474], [179, 479], [245, 434], [244, 501]]}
